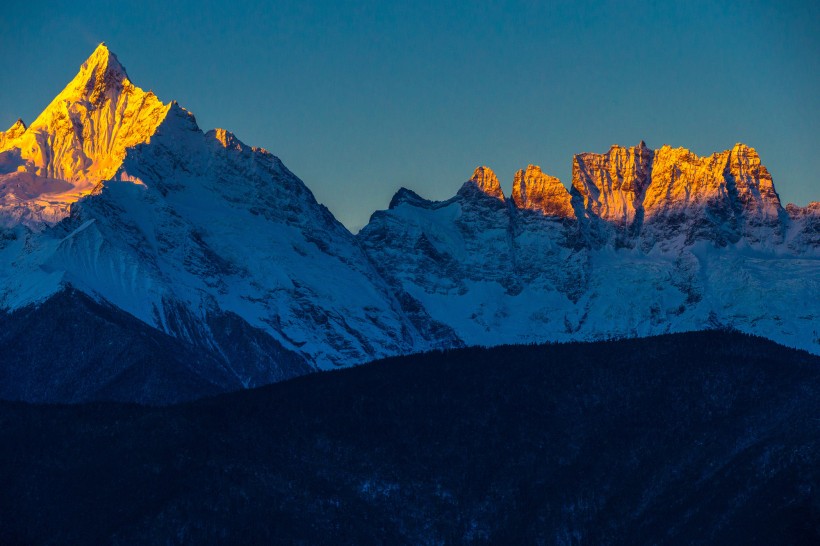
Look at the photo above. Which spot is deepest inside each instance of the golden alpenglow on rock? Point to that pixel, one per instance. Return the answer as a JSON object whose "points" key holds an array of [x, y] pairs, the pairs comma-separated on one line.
{"points": [[79, 140], [681, 178], [612, 184], [535, 190], [486, 181], [13, 133]]}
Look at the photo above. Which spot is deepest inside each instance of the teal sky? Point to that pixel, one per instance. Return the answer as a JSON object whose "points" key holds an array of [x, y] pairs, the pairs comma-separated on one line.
{"points": [[360, 98]]}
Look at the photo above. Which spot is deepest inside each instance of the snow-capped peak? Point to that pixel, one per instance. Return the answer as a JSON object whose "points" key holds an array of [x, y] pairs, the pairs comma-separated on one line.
{"points": [[536, 190], [485, 180], [219, 245], [101, 77], [100, 70], [79, 140], [104, 57]]}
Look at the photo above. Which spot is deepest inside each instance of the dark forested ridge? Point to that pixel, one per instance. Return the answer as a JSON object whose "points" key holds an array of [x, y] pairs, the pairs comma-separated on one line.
{"points": [[72, 348], [700, 438]]}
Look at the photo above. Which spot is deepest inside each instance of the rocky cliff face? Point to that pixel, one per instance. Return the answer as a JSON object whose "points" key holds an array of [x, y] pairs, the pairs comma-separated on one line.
{"points": [[485, 180], [646, 242], [216, 244], [722, 198], [537, 191], [672, 197], [611, 186], [79, 140], [805, 227], [196, 234]]}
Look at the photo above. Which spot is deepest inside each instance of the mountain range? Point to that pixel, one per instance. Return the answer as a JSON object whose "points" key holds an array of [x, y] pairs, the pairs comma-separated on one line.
{"points": [[142, 259]]}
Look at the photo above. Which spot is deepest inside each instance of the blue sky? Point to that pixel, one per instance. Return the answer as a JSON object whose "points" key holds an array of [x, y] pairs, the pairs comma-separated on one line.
{"points": [[360, 98]]}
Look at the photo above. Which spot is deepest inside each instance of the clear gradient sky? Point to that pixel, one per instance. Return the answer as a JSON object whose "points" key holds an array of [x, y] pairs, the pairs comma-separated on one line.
{"points": [[360, 98]]}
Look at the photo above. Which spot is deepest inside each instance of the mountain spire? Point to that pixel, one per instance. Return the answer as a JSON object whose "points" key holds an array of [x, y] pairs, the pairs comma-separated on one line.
{"points": [[82, 135], [104, 57], [485, 180], [536, 190], [99, 75]]}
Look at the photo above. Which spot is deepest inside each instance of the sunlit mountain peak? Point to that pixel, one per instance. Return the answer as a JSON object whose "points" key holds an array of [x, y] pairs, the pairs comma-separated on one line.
{"points": [[79, 140], [486, 181]]}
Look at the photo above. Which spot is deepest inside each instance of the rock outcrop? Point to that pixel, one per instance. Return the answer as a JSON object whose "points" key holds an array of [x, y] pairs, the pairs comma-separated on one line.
{"points": [[535, 190]]}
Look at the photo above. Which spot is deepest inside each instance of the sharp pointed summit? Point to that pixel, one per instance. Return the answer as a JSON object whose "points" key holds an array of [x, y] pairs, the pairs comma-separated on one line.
{"points": [[101, 70], [100, 77], [485, 180], [80, 140], [222, 251], [105, 60]]}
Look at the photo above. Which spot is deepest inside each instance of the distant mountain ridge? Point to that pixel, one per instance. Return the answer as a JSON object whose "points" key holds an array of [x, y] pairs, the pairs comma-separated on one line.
{"points": [[118, 196]]}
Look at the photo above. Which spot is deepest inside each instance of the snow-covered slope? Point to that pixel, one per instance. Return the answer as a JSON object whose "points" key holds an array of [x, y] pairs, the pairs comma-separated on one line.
{"points": [[648, 242], [193, 233], [79, 140], [113, 194]]}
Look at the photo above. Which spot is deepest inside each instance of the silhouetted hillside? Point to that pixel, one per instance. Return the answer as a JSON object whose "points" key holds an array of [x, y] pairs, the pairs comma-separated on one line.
{"points": [[701, 438], [71, 348]]}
